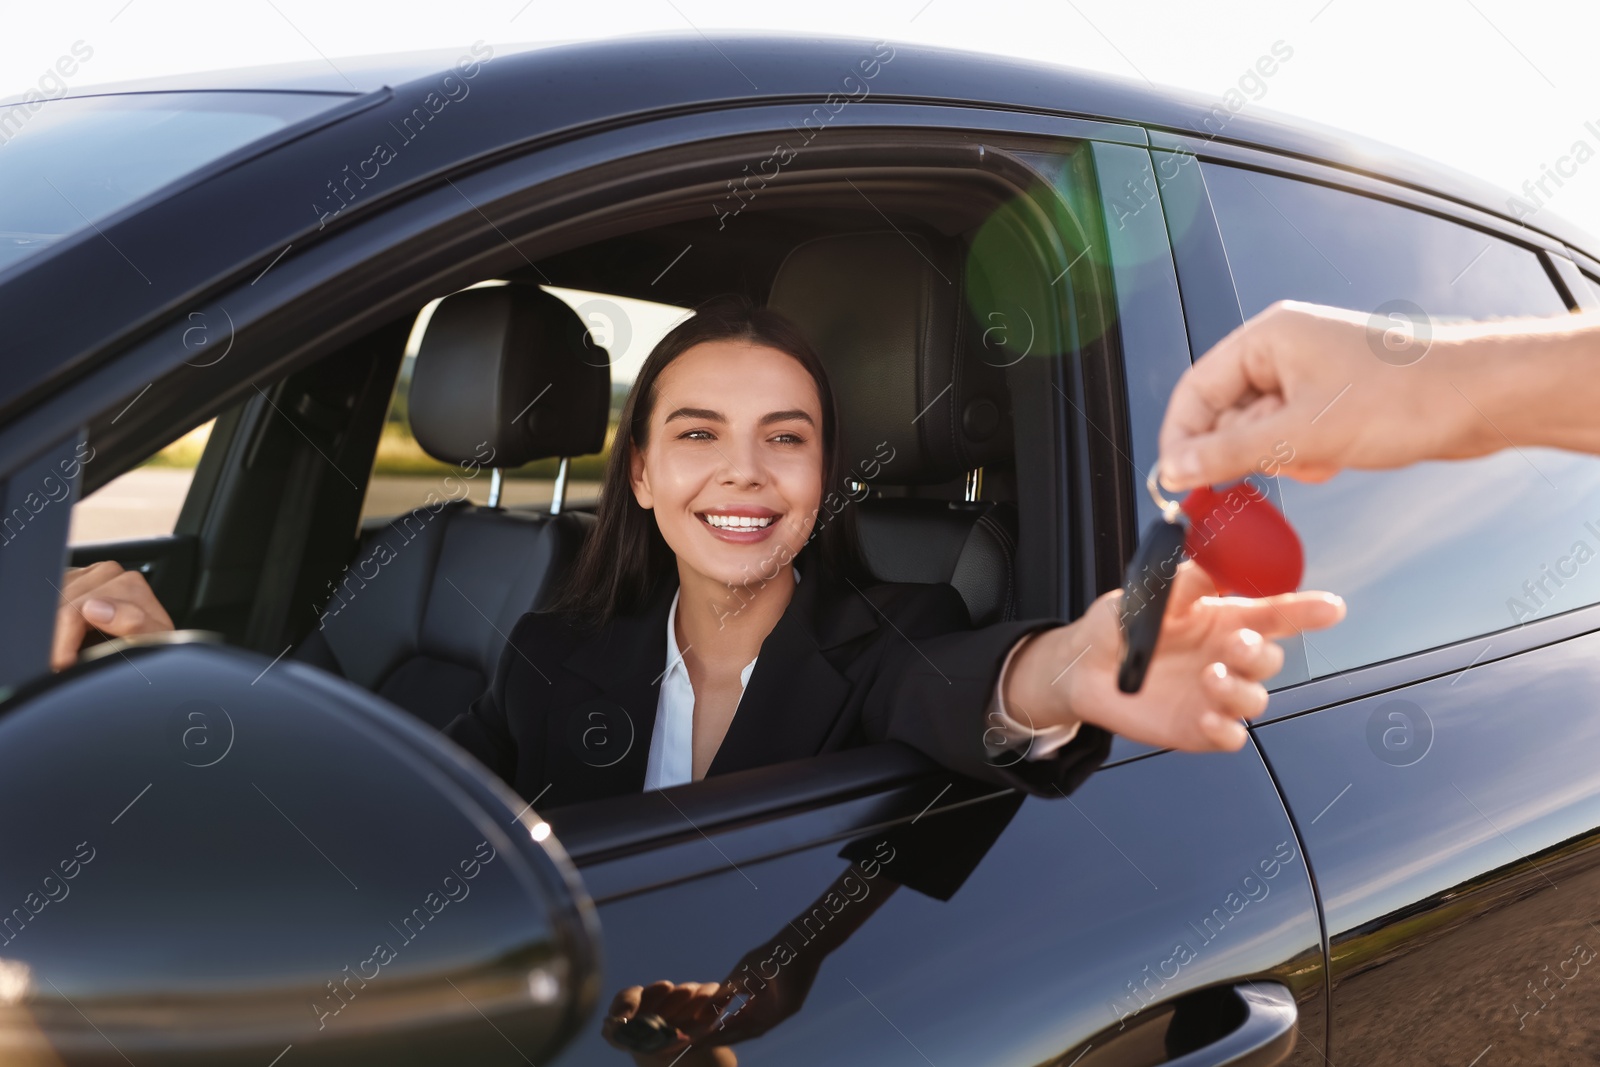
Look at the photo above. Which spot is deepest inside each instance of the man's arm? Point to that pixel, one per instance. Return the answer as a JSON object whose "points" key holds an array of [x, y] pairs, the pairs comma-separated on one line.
{"points": [[1302, 386]]}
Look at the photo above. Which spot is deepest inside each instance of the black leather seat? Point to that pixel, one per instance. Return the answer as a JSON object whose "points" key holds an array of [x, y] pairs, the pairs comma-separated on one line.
{"points": [[887, 313], [504, 376]]}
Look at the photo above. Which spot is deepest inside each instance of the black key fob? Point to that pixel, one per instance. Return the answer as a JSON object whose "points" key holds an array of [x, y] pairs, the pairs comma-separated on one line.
{"points": [[645, 1033], [1145, 589]]}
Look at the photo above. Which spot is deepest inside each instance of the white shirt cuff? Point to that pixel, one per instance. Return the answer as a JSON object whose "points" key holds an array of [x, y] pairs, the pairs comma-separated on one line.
{"points": [[1007, 734]]}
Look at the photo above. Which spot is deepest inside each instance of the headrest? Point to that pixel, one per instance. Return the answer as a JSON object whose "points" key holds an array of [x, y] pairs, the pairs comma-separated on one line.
{"points": [[887, 314], [512, 366]]}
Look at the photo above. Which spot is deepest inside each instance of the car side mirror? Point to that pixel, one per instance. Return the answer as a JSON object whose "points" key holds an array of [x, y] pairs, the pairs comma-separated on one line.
{"points": [[209, 859]]}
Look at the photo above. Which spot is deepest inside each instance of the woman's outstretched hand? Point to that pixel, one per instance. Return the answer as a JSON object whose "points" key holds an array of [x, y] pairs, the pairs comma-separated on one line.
{"points": [[1205, 675]]}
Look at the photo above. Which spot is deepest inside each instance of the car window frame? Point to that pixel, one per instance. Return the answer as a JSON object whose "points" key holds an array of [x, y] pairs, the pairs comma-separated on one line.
{"points": [[1580, 293], [465, 210], [1589, 271], [37, 548]]}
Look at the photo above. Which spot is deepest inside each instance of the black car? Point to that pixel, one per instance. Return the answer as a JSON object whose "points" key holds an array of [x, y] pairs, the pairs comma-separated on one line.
{"points": [[245, 842]]}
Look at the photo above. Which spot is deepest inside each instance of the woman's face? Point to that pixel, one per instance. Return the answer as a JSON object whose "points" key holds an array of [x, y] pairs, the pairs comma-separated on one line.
{"points": [[732, 466]]}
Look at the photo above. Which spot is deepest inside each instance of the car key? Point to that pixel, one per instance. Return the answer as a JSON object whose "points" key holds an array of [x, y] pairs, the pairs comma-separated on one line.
{"points": [[1235, 535], [1145, 589], [645, 1033]]}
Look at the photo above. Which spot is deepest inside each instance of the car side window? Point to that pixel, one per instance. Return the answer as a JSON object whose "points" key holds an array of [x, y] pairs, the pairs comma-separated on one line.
{"points": [[1439, 552], [145, 501], [405, 477]]}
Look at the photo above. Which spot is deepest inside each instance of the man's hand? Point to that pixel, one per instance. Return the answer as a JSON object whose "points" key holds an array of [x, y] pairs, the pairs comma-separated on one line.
{"points": [[1302, 389], [1205, 674], [103, 598]]}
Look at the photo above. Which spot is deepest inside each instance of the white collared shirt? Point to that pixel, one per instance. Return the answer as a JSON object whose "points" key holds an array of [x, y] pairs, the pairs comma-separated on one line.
{"points": [[671, 760]]}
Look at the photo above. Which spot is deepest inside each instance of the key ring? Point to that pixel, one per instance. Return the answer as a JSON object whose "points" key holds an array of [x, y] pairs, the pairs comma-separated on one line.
{"points": [[1169, 508]]}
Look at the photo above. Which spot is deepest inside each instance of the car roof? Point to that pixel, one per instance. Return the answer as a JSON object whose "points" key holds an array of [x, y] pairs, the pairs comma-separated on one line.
{"points": [[345, 75], [933, 73], [198, 242]]}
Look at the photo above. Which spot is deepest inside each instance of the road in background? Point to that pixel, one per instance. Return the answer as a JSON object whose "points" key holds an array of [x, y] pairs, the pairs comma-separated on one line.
{"points": [[145, 501]]}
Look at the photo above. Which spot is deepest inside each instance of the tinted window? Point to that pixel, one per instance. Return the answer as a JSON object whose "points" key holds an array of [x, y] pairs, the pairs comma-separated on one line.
{"points": [[145, 501], [1442, 551], [66, 164]]}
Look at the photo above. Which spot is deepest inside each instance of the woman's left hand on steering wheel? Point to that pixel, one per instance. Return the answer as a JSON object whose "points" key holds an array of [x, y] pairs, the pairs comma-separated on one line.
{"points": [[107, 600]]}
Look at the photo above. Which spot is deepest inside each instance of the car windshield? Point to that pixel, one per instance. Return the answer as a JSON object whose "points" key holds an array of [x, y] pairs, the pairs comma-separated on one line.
{"points": [[67, 164]]}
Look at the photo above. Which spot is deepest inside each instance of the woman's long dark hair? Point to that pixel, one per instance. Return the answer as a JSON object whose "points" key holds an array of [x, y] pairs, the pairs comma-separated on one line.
{"points": [[625, 557]]}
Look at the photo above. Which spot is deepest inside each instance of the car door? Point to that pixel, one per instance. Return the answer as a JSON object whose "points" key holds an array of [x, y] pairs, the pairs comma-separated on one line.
{"points": [[1162, 909], [1435, 751], [939, 920]]}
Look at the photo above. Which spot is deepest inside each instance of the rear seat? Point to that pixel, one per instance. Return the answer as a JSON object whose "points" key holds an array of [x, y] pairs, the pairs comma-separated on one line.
{"points": [[422, 613]]}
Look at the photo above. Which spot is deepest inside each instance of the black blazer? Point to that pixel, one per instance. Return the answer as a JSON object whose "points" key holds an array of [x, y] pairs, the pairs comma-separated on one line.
{"points": [[569, 715]]}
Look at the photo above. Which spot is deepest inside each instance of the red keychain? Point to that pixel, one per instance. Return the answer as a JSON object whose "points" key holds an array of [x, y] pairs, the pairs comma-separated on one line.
{"points": [[1242, 541], [1235, 534]]}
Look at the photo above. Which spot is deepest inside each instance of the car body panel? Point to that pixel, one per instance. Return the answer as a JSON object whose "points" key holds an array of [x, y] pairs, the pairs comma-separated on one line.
{"points": [[1058, 922], [1454, 828]]}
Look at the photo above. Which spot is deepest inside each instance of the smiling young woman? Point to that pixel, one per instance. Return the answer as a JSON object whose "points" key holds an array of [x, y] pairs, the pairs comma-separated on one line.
{"points": [[712, 623]]}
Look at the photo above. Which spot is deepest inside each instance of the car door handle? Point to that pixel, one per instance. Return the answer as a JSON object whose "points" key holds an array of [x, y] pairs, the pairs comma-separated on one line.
{"points": [[1245, 1024], [1264, 1037]]}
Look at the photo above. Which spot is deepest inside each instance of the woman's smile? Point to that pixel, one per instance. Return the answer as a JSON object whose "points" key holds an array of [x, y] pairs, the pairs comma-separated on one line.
{"points": [[740, 523]]}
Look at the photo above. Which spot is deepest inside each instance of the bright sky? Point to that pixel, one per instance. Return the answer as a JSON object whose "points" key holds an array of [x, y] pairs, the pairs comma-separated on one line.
{"points": [[1493, 87]]}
